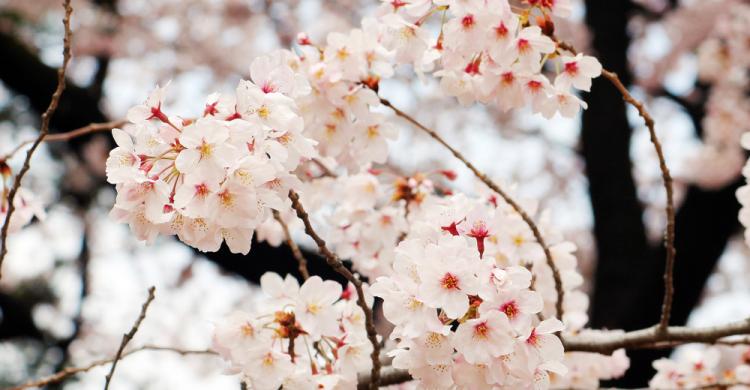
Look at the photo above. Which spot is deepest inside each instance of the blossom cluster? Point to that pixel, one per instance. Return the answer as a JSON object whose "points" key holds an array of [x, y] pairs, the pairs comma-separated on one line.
{"points": [[723, 62], [299, 337], [461, 298], [212, 179], [366, 229], [339, 113], [702, 368], [26, 204], [485, 51]]}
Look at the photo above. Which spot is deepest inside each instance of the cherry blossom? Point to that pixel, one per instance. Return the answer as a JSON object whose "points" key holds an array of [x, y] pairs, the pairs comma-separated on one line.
{"points": [[213, 179], [328, 350]]}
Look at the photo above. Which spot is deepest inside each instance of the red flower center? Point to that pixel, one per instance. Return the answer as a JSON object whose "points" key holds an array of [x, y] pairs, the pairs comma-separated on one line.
{"points": [[449, 282]]}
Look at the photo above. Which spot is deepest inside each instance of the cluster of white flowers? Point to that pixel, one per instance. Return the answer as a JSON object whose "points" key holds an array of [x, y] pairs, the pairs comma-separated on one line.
{"points": [[343, 75], [212, 179], [723, 63], [299, 337], [463, 280], [366, 224], [483, 52], [486, 52], [26, 204], [586, 369], [461, 298], [702, 368]]}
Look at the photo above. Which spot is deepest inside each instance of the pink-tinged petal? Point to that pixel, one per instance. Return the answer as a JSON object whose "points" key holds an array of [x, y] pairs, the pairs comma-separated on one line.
{"points": [[550, 347], [530, 302], [238, 240], [550, 325], [187, 161], [554, 366], [122, 139], [456, 305], [139, 114]]}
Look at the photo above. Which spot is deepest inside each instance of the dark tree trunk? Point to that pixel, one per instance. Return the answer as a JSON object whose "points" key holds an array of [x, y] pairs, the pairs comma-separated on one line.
{"points": [[628, 281]]}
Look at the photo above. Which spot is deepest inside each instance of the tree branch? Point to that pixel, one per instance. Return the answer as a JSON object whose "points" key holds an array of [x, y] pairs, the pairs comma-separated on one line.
{"points": [[129, 336], [608, 342], [43, 131], [296, 252], [508, 199], [88, 129], [668, 188], [70, 371], [339, 267], [389, 376]]}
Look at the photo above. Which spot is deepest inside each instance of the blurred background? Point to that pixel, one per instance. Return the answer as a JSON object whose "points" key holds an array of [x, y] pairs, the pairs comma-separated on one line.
{"points": [[73, 282]]}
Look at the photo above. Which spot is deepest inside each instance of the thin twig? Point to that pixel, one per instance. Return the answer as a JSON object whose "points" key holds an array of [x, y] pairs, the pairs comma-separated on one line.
{"points": [[70, 371], [88, 129], [339, 267], [83, 261], [326, 171], [666, 309], [129, 336], [42, 133], [296, 252], [508, 199]]}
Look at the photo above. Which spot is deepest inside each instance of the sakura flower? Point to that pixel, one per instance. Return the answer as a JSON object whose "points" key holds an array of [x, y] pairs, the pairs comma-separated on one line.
{"points": [[578, 72], [372, 133], [267, 368], [314, 306], [484, 338], [562, 101], [151, 108], [561, 8], [542, 342], [448, 280], [282, 290], [465, 32], [26, 204], [354, 356], [478, 227], [123, 164], [273, 74], [530, 45], [342, 56], [236, 334], [205, 147], [519, 306], [402, 307]]}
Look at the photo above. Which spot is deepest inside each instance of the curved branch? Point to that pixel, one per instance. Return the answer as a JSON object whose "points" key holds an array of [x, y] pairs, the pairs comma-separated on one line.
{"points": [[508, 199], [339, 267], [668, 188], [296, 252], [88, 129], [70, 371], [46, 117], [129, 336]]}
